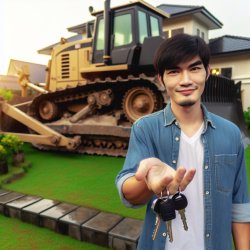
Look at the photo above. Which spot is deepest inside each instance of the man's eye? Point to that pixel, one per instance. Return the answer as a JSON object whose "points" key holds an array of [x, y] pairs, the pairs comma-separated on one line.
{"points": [[196, 68], [172, 72]]}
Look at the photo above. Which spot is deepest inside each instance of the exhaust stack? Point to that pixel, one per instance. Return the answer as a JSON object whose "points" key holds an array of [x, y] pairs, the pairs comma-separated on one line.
{"points": [[107, 35]]}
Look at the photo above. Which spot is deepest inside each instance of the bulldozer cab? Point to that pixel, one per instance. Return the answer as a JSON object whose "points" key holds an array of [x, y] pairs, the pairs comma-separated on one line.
{"points": [[123, 31]]}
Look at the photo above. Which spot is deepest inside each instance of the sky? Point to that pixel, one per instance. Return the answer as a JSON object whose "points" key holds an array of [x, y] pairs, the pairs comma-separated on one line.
{"points": [[29, 25]]}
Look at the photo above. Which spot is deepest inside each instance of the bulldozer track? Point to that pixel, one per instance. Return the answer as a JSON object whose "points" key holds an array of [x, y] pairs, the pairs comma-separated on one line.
{"points": [[113, 145]]}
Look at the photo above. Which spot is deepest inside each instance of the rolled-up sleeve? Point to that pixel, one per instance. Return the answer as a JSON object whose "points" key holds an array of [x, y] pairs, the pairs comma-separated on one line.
{"points": [[241, 212], [119, 184], [241, 201]]}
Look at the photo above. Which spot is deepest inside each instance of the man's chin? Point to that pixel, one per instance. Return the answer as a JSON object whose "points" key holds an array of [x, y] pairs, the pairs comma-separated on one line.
{"points": [[187, 103]]}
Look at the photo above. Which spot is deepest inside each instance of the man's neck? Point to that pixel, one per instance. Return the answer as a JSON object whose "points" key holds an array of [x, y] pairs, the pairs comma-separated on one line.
{"points": [[190, 118]]}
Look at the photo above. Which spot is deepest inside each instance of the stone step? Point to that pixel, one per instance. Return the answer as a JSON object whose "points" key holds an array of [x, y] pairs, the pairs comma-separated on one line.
{"points": [[81, 223]]}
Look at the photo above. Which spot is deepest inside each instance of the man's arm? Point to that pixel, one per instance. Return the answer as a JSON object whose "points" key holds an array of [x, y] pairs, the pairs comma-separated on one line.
{"points": [[241, 235]]}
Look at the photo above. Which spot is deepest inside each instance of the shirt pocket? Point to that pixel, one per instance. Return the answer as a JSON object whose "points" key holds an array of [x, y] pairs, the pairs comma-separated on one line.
{"points": [[225, 167]]}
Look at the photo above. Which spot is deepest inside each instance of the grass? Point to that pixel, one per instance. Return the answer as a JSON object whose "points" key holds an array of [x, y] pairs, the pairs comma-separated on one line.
{"points": [[18, 235], [78, 179]]}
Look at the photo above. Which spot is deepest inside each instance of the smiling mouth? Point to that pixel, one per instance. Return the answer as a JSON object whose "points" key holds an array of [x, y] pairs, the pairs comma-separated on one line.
{"points": [[186, 91]]}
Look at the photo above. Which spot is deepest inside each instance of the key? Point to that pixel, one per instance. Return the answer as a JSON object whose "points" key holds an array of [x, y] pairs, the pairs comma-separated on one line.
{"points": [[180, 203], [157, 225], [155, 208], [167, 213]]}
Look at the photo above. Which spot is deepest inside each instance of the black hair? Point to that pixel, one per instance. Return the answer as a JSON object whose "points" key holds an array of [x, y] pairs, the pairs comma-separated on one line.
{"points": [[180, 48]]}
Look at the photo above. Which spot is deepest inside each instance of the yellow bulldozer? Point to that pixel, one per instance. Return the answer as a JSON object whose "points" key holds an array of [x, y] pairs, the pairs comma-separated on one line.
{"points": [[98, 86]]}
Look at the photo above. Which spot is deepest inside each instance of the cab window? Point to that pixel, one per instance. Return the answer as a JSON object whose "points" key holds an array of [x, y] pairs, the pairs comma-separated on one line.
{"points": [[100, 35], [154, 24], [143, 29], [122, 30]]}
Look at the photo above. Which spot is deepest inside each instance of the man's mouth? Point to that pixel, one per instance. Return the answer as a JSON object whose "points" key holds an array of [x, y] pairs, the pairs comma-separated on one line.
{"points": [[187, 91]]}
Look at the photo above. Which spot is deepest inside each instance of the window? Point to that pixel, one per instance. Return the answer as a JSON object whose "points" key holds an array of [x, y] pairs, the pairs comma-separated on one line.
{"points": [[100, 35], [154, 24], [143, 30], [203, 35], [227, 72], [122, 30], [177, 31]]}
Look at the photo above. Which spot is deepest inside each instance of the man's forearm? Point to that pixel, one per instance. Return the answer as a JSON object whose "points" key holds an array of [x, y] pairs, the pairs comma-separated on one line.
{"points": [[136, 192], [241, 235]]}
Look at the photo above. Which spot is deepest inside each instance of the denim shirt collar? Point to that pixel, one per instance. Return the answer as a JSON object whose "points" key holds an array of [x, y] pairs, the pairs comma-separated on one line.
{"points": [[169, 117]]}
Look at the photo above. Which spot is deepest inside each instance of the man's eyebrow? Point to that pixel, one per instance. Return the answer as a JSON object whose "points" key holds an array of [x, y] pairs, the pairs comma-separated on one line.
{"points": [[198, 62]]}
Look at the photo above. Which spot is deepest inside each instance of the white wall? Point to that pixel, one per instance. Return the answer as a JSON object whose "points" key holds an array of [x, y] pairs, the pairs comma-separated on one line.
{"points": [[189, 24]]}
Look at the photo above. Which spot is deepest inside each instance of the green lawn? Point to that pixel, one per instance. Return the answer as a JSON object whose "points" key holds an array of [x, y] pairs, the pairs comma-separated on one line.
{"points": [[79, 179], [16, 235]]}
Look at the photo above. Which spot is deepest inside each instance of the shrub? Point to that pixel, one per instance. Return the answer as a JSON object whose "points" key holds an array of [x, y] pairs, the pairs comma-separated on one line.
{"points": [[6, 94], [3, 153], [12, 143]]}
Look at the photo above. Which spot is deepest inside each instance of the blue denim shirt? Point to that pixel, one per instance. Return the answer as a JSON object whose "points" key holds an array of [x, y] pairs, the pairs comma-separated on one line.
{"points": [[224, 171]]}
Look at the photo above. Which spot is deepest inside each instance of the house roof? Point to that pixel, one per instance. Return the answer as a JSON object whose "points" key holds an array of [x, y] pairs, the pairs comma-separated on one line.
{"points": [[229, 45], [47, 50], [81, 28], [200, 12]]}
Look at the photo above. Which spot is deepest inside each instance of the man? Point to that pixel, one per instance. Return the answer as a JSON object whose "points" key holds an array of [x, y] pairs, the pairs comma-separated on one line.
{"points": [[185, 147]]}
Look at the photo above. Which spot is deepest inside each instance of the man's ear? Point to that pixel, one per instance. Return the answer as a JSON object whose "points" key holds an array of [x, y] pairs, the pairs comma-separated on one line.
{"points": [[208, 70], [160, 79]]}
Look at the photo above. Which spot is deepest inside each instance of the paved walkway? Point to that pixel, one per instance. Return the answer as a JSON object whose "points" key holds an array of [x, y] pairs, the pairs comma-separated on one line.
{"points": [[81, 223]]}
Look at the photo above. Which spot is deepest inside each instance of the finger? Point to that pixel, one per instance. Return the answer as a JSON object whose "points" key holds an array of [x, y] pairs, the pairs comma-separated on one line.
{"points": [[187, 179], [164, 183], [160, 186], [175, 183]]}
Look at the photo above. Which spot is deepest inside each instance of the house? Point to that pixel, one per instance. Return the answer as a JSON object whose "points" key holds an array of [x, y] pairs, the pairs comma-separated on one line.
{"points": [[231, 58], [195, 20], [10, 81], [230, 54]]}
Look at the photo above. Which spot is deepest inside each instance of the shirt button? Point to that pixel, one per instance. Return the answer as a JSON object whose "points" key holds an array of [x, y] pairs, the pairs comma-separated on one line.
{"points": [[206, 167], [177, 138], [207, 235], [207, 192], [174, 161], [164, 234]]}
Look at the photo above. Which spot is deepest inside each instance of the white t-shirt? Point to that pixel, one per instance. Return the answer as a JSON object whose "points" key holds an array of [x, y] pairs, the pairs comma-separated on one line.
{"points": [[191, 154]]}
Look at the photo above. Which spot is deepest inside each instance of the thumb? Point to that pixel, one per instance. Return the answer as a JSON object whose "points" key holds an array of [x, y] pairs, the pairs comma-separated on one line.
{"points": [[142, 170]]}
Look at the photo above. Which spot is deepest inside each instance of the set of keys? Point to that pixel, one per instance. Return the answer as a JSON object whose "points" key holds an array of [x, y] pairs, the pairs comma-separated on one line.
{"points": [[165, 209]]}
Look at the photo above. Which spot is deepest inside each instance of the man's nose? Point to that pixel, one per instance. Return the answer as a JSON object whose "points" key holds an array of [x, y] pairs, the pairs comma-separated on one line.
{"points": [[185, 77]]}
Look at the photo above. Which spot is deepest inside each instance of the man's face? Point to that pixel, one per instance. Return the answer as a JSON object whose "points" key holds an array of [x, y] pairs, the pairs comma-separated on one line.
{"points": [[186, 82]]}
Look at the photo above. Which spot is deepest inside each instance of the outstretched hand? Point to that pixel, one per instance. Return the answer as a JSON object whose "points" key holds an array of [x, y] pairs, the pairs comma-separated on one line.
{"points": [[159, 176]]}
